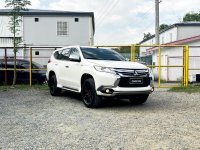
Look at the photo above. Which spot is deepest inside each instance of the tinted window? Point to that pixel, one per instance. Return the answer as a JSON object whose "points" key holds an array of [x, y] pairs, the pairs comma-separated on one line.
{"points": [[101, 54], [57, 54], [74, 53], [65, 54], [36, 65], [62, 54], [25, 65]]}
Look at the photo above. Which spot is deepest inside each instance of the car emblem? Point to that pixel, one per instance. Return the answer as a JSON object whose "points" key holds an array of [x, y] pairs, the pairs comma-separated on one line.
{"points": [[136, 73]]}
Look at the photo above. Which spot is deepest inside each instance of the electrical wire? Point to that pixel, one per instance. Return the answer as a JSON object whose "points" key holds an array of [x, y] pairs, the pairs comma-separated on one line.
{"points": [[145, 14], [101, 19], [103, 8]]}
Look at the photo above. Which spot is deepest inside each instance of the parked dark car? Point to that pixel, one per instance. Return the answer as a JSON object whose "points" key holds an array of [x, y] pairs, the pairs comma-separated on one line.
{"points": [[38, 76]]}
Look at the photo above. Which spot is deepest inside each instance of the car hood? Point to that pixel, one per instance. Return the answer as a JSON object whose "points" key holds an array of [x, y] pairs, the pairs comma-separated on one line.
{"points": [[118, 64]]}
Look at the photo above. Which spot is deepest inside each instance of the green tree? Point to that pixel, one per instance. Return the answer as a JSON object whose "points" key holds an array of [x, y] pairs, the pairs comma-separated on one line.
{"points": [[16, 7], [163, 26], [191, 17], [147, 36], [127, 50]]}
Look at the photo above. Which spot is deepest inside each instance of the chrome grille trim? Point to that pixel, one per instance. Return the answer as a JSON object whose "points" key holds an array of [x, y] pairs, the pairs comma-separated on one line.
{"points": [[132, 72]]}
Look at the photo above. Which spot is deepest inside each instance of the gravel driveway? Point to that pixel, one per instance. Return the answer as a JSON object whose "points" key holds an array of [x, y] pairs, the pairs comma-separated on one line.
{"points": [[32, 119]]}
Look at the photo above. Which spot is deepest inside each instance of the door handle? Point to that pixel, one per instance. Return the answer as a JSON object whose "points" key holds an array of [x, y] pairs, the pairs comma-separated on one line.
{"points": [[56, 64], [67, 66]]}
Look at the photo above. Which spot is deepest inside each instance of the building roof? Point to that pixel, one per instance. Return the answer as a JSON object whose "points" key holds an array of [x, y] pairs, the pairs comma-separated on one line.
{"points": [[33, 12], [178, 42], [188, 24]]}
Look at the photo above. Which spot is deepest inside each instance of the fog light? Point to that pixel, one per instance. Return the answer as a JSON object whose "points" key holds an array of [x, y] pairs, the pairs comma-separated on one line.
{"points": [[107, 91]]}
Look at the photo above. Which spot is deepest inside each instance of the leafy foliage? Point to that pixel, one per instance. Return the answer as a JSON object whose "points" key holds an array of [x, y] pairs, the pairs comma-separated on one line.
{"points": [[16, 6], [127, 49], [163, 27], [191, 17], [147, 36]]}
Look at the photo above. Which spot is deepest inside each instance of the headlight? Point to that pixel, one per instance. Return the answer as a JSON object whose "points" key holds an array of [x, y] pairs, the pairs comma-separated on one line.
{"points": [[151, 73], [104, 69]]}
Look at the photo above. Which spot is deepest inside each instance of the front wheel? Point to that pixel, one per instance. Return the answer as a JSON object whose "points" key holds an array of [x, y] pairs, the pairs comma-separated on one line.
{"points": [[54, 90], [89, 95], [138, 99]]}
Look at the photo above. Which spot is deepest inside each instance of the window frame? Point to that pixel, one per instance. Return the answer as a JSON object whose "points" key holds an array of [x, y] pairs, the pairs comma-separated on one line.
{"points": [[62, 28]]}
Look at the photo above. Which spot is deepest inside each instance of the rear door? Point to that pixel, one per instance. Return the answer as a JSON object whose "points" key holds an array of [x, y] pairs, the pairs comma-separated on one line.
{"points": [[69, 70], [62, 66], [72, 70]]}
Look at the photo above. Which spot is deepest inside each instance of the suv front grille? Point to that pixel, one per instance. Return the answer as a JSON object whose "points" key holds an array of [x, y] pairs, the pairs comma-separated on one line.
{"points": [[133, 77], [132, 72]]}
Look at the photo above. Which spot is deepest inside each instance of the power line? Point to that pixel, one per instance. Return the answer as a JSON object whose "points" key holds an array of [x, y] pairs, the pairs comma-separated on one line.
{"points": [[103, 8], [114, 4], [146, 13]]}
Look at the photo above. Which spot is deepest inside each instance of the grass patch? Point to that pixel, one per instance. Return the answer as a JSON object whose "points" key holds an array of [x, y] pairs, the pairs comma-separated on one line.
{"points": [[25, 87], [189, 89]]}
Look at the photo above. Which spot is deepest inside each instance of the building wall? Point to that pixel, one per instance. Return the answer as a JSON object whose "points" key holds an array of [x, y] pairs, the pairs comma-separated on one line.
{"points": [[39, 55], [187, 32], [4, 28], [165, 37], [44, 32], [169, 36]]}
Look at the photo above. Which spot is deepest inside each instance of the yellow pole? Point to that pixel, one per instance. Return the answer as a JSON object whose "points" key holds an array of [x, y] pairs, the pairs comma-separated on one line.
{"points": [[187, 64], [30, 68], [184, 66], [133, 53], [159, 65]]}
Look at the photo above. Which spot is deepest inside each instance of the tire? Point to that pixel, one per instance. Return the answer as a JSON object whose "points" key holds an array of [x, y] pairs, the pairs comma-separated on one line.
{"points": [[54, 90], [89, 95], [138, 99]]}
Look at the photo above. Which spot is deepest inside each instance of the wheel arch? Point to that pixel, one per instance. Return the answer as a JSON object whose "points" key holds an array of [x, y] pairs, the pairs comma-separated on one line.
{"points": [[85, 77], [51, 73]]}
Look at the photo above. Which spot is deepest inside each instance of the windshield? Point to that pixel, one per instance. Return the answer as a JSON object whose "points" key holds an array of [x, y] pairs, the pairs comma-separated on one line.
{"points": [[101, 54]]}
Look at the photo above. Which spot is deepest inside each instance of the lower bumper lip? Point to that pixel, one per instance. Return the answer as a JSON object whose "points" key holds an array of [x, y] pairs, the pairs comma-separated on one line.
{"points": [[114, 91]]}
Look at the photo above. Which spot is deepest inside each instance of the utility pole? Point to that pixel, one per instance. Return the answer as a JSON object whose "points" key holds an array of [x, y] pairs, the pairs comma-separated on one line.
{"points": [[157, 22]]}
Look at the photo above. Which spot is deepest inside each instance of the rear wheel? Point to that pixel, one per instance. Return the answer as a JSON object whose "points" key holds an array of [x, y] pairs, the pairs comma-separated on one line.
{"points": [[89, 95], [138, 99], [54, 90]]}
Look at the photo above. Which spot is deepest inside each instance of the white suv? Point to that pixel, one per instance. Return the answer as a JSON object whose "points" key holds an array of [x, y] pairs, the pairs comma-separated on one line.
{"points": [[96, 73]]}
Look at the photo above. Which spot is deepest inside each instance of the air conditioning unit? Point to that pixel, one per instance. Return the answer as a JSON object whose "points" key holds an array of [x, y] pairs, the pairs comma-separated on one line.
{"points": [[194, 78]]}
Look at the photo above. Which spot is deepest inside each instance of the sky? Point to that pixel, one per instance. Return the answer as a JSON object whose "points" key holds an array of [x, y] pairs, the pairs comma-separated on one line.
{"points": [[120, 22]]}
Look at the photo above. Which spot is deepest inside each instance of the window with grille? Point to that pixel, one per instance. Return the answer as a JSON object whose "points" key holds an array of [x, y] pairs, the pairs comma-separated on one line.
{"points": [[61, 28]]}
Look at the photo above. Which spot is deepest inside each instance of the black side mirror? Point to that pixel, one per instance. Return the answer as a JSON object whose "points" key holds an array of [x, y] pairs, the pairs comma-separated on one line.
{"points": [[75, 58]]}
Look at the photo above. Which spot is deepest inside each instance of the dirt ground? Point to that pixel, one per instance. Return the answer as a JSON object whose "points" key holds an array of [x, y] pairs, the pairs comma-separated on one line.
{"points": [[32, 119]]}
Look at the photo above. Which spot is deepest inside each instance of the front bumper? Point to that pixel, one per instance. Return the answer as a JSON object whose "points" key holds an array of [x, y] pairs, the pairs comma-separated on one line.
{"points": [[114, 85], [115, 91]]}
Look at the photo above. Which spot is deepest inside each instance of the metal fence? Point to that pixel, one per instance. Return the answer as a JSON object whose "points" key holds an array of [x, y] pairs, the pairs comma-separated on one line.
{"points": [[26, 53], [157, 67], [184, 58]]}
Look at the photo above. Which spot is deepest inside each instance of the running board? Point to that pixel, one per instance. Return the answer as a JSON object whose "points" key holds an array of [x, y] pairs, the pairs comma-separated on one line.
{"points": [[70, 89]]}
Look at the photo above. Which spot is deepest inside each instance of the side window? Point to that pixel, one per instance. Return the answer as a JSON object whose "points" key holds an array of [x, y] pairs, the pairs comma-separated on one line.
{"points": [[74, 53], [57, 54], [24, 65], [62, 54], [1, 66], [10, 65], [65, 54]]}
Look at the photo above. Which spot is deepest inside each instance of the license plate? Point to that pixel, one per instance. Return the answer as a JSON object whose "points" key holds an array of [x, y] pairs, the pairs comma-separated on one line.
{"points": [[135, 81]]}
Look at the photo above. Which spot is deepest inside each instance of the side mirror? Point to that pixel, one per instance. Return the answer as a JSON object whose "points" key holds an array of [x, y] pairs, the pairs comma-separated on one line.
{"points": [[75, 58]]}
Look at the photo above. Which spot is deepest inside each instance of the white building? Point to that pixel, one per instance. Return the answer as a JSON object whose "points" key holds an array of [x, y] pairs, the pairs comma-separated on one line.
{"points": [[48, 28], [177, 34]]}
